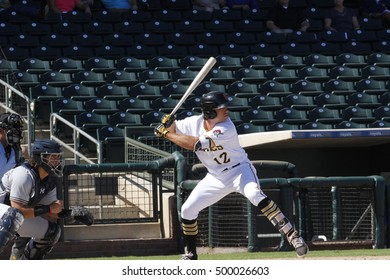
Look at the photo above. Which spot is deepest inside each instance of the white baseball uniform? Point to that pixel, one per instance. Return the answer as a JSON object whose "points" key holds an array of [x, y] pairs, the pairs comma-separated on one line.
{"points": [[229, 169]]}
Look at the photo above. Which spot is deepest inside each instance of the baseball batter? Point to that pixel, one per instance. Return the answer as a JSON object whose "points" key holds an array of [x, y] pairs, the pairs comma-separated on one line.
{"points": [[214, 139]]}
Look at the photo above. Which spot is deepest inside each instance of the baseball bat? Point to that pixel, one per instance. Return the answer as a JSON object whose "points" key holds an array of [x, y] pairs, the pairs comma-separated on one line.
{"points": [[197, 80]]}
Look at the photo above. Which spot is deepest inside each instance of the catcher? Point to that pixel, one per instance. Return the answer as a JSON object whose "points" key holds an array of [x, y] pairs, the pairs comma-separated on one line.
{"points": [[29, 206]]}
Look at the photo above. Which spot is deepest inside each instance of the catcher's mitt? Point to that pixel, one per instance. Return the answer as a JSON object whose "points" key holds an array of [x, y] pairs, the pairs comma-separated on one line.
{"points": [[77, 214]]}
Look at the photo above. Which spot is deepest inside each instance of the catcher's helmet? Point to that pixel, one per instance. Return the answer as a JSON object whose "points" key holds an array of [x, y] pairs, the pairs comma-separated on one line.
{"points": [[13, 125], [48, 154], [213, 100]]}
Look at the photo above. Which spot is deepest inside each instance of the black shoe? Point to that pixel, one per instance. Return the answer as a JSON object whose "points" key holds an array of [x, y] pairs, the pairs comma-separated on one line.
{"points": [[189, 257]]}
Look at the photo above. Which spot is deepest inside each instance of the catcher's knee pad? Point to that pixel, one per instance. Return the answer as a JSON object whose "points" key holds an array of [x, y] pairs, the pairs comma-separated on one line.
{"points": [[10, 223], [37, 249]]}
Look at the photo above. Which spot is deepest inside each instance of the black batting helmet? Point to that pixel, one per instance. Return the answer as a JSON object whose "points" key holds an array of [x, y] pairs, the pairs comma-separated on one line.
{"points": [[41, 152], [13, 125], [213, 100]]}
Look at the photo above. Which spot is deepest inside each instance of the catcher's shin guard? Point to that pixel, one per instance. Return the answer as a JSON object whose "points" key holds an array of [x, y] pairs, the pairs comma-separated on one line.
{"points": [[38, 249], [10, 223], [18, 247], [275, 216], [190, 232]]}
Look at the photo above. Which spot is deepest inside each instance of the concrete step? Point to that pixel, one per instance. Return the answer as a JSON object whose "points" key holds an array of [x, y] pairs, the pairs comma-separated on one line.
{"points": [[112, 231]]}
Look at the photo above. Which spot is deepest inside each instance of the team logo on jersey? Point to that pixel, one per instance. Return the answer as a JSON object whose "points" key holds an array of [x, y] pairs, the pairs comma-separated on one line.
{"points": [[217, 132], [212, 146]]}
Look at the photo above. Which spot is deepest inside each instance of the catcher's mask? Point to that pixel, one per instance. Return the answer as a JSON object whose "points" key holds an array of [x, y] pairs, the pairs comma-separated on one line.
{"points": [[13, 125], [211, 101], [48, 154]]}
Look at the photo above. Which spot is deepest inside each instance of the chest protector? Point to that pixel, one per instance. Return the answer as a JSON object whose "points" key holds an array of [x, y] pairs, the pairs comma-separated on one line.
{"points": [[41, 187]]}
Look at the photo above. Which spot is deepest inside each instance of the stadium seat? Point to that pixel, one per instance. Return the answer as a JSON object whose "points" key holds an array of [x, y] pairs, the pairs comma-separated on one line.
{"points": [[298, 101], [76, 52], [282, 75], [108, 51], [306, 87], [279, 126], [242, 89], [192, 62], [22, 80], [379, 124], [357, 47], [345, 73], [349, 125], [363, 100], [192, 103], [302, 37], [131, 64], [67, 28], [121, 78], [241, 38], [265, 49], [382, 113], [236, 50], [67, 65], [101, 106], [113, 141], [325, 48], [291, 116], [371, 86], [118, 39], [152, 117], [87, 40], [384, 98], [357, 115], [79, 92], [181, 39], [154, 77], [54, 40], [141, 51], [330, 36], [289, 61], [274, 88], [338, 86], [184, 76], [320, 61], [295, 49], [95, 27], [164, 104], [34, 65], [211, 38], [14, 53], [258, 117], [246, 128], [134, 105], [167, 15], [174, 90], [257, 62], [227, 62], [111, 91], [331, 101], [128, 27], [271, 38], [207, 86], [250, 75], [145, 91], [149, 39], [36, 28], [24, 41], [163, 63], [313, 74], [89, 78], [351, 60], [123, 119], [66, 108], [219, 76], [316, 125], [265, 102], [381, 73], [238, 103], [379, 59], [99, 64], [324, 115]]}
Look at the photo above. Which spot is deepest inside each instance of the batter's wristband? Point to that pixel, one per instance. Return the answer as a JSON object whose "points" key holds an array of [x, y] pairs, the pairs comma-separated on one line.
{"points": [[41, 210]]}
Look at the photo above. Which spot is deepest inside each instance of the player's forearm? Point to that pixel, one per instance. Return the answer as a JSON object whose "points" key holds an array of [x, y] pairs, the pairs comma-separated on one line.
{"points": [[184, 141]]}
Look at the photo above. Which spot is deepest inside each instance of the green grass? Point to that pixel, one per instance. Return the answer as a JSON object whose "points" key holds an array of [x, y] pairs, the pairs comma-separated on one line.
{"points": [[339, 254]]}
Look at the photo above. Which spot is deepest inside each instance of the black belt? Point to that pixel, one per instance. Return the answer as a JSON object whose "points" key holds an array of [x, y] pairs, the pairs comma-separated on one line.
{"points": [[228, 168]]}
